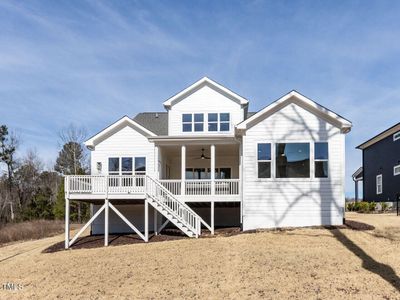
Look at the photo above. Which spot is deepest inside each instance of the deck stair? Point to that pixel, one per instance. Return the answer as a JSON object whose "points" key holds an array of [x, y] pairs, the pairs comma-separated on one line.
{"points": [[174, 210]]}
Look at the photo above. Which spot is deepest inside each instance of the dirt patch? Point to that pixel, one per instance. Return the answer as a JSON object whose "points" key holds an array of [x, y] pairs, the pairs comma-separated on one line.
{"points": [[89, 242], [355, 225], [95, 241]]}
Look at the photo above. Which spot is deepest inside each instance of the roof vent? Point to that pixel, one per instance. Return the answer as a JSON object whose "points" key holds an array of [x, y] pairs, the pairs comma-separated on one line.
{"points": [[156, 115]]}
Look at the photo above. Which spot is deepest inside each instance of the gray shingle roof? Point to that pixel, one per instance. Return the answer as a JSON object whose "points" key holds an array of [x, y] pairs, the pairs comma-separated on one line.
{"points": [[157, 122]]}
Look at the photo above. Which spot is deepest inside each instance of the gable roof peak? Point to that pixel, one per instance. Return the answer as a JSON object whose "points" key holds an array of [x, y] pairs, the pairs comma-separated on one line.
{"points": [[316, 108], [199, 83]]}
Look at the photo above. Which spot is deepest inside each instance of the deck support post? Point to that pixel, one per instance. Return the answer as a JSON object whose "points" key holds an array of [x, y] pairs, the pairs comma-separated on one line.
{"points": [[183, 169], [106, 221], [146, 220], [212, 150], [67, 223], [212, 217], [155, 222]]}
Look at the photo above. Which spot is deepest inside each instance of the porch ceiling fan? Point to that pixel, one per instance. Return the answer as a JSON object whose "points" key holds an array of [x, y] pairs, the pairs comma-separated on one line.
{"points": [[202, 156]]}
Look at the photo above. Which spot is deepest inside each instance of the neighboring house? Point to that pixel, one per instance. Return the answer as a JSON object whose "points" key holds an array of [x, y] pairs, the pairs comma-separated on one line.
{"points": [[208, 162], [380, 172]]}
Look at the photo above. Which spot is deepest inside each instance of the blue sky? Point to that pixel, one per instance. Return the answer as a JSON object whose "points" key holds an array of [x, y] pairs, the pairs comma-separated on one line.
{"points": [[90, 63]]}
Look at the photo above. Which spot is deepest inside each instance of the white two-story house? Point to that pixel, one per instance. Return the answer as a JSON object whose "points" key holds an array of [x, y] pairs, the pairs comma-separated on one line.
{"points": [[207, 161]]}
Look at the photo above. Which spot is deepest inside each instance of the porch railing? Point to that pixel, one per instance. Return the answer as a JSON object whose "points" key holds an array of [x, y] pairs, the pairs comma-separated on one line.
{"points": [[134, 184], [174, 186], [88, 184], [202, 187]]}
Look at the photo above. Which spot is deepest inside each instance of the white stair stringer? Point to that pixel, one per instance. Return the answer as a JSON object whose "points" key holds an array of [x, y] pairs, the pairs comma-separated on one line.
{"points": [[177, 212]]}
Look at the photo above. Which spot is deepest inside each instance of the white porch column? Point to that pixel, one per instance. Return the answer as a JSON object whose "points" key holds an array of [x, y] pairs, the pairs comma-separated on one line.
{"points": [[183, 169], [146, 221], [66, 223], [212, 217], [106, 221], [156, 162], [241, 180], [212, 150]]}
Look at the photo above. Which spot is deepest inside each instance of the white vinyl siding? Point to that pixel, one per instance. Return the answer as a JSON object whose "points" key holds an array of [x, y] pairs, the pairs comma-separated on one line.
{"points": [[203, 101], [280, 202], [125, 143], [379, 184]]}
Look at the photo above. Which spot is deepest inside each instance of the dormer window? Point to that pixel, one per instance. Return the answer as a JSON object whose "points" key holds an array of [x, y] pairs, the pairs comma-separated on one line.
{"points": [[224, 122], [213, 122], [218, 122], [187, 122], [192, 122], [198, 122]]}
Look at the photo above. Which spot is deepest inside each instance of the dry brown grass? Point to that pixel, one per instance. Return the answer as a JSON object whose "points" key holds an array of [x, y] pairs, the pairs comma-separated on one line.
{"points": [[295, 264], [31, 230]]}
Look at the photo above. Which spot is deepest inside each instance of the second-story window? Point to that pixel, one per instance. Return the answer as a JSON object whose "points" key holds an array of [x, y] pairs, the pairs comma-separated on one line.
{"points": [[187, 122], [224, 122], [218, 122], [192, 122], [213, 122], [198, 122]]}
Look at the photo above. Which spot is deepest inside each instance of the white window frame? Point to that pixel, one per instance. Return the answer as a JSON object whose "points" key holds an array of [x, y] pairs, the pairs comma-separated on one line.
{"points": [[197, 122], [193, 122], [224, 122], [379, 187], [311, 161], [185, 123], [212, 122], [396, 136], [316, 160], [264, 160], [130, 173], [396, 170]]}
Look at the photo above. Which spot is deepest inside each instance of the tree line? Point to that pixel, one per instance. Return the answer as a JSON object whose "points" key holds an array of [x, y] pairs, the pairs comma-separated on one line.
{"points": [[30, 191]]}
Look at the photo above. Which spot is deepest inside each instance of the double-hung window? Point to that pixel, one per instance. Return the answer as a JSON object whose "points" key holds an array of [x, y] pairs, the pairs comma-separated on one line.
{"points": [[264, 160], [198, 122], [212, 122], [224, 120], [396, 170], [396, 136], [218, 122], [321, 159], [140, 169], [192, 122], [292, 160], [379, 184], [187, 122], [113, 165]]}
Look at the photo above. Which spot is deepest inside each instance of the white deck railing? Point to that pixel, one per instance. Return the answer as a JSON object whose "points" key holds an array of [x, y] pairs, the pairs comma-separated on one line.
{"points": [[174, 186], [88, 184], [136, 184]]}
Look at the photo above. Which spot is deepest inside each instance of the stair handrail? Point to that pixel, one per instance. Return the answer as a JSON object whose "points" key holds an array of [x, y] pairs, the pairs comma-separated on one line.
{"points": [[196, 227]]}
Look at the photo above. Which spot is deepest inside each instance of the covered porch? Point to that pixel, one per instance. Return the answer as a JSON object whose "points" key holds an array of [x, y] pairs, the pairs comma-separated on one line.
{"points": [[201, 170]]}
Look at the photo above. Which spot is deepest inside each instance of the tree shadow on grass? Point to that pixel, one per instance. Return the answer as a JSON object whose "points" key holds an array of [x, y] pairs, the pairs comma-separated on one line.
{"points": [[386, 272]]}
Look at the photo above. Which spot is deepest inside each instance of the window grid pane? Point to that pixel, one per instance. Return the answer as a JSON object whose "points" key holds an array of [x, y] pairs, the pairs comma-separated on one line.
{"points": [[140, 165], [212, 122], [113, 165]]}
